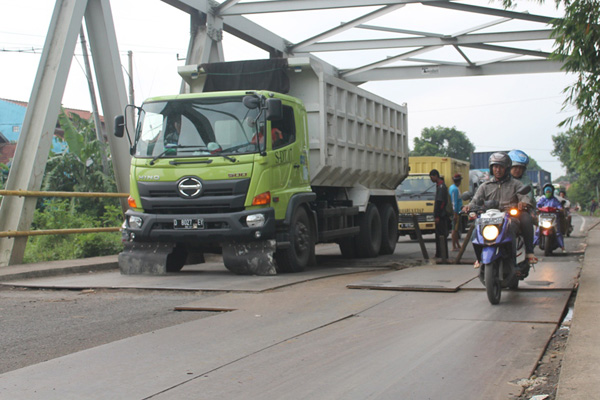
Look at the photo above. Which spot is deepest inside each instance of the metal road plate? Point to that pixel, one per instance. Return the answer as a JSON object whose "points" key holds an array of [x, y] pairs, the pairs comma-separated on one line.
{"points": [[547, 275], [437, 278]]}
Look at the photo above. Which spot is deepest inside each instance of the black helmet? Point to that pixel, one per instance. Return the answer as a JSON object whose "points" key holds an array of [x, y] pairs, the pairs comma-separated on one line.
{"points": [[502, 159]]}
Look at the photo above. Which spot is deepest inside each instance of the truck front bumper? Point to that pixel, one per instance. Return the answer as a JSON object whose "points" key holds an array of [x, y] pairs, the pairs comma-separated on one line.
{"points": [[206, 229]]}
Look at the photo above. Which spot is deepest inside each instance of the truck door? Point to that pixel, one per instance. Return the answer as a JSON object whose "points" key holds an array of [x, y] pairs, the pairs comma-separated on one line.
{"points": [[286, 157]]}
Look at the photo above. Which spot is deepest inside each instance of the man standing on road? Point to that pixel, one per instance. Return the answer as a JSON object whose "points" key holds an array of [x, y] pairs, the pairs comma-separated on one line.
{"points": [[456, 206], [440, 215]]}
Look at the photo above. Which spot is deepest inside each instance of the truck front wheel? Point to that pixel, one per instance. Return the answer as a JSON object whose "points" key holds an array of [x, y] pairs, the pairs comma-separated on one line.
{"points": [[368, 240], [296, 257], [389, 229]]}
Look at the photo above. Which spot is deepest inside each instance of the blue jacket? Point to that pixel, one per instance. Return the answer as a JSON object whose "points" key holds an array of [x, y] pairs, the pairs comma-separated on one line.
{"points": [[551, 202]]}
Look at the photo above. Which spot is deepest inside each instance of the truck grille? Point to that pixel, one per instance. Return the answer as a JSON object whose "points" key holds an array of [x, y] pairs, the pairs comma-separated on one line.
{"points": [[216, 197], [405, 218]]}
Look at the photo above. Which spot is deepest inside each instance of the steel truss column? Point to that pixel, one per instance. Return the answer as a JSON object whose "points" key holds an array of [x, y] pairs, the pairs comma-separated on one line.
{"points": [[111, 85], [206, 41], [33, 147]]}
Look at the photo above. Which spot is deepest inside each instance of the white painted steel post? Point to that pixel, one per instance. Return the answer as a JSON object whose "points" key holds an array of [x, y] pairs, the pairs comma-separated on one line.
{"points": [[33, 147], [111, 85]]}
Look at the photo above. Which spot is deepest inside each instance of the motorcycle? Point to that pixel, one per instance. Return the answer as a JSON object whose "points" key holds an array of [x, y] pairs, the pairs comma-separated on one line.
{"points": [[500, 265], [547, 235]]}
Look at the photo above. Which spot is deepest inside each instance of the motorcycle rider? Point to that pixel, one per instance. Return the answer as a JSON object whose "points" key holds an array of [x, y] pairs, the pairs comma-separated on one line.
{"points": [[566, 221], [503, 188], [520, 160], [548, 200]]}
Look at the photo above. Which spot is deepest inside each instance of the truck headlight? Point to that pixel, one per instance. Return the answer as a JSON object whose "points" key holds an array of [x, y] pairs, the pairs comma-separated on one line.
{"points": [[135, 222], [255, 220], [429, 218], [490, 232]]}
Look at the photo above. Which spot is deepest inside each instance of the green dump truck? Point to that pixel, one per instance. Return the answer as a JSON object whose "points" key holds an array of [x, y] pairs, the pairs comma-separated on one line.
{"points": [[260, 162]]}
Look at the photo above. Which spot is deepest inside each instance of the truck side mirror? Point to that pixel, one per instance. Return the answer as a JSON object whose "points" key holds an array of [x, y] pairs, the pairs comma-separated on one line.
{"points": [[274, 110], [119, 125], [251, 102]]}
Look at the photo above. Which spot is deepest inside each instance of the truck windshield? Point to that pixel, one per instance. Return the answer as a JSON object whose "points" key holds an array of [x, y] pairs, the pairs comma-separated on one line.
{"points": [[416, 187], [196, 127]]}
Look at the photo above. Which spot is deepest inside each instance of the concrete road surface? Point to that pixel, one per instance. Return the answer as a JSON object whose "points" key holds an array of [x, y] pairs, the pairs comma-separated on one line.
{"points": [[319, 338]]}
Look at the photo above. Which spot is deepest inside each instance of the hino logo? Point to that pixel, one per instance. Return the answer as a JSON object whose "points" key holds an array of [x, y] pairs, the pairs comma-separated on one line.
{"points": [[189, 188]]}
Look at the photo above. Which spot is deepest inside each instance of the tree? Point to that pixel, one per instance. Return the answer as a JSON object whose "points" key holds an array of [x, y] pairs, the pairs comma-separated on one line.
{"points": [[585, 180], [443, 142], [77, 170], [577, 44]]}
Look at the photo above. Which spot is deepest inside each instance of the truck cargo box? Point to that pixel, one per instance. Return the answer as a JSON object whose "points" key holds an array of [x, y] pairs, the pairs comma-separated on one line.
{"points": [[356, 137]]}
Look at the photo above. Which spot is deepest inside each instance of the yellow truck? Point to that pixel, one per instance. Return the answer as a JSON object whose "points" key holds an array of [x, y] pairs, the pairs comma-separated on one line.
{"points": [[416, 194]]}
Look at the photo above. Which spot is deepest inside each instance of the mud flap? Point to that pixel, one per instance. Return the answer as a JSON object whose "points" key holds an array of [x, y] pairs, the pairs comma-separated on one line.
{"points": [[145, 258], [250, 258]]}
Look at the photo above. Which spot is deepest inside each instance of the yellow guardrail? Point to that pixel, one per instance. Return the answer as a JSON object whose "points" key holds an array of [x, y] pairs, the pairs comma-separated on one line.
{"points": [[33, 193]]}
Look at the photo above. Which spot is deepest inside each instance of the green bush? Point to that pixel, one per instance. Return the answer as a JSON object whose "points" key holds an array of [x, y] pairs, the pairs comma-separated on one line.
{"points": [[59, 214]]}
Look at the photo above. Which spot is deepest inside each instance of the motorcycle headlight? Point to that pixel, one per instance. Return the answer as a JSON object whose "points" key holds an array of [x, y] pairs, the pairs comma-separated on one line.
{"points": [[546, 224], [490, 232]]}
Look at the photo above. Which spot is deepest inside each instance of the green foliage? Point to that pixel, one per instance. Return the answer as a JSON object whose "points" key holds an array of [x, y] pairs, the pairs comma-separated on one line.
{"points": [[78, 170], [60, 214], [443, 142], [568, 147]]}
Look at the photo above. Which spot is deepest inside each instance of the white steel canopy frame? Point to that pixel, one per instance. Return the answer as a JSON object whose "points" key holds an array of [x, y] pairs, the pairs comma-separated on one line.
{"points": [[480, 51]]}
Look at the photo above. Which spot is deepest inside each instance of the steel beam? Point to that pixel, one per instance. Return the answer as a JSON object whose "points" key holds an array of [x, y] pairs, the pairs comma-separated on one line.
{"points": [[33, 147], [372, 44], [111, 85], [348, 25], [489, 11], [274, 6], [455, 71]]}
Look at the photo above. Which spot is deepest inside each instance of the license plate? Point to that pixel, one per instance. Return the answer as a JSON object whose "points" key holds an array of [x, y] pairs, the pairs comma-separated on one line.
{"points": [[407, 225], [188, 223]]}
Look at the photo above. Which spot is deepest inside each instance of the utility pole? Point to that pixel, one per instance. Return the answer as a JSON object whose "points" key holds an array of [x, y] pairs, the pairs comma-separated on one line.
{"points": [[131, 93], [97, 123]]}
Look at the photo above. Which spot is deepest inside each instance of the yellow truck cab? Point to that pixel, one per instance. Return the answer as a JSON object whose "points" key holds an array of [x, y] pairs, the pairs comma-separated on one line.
{"points": [[416, 194]]}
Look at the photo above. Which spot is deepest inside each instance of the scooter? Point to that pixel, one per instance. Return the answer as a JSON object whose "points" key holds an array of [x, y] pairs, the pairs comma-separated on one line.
{"points": [[500, 266], [547, 235], [500, 257]]}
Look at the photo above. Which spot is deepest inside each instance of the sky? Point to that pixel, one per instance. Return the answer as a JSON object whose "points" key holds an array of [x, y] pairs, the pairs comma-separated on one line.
{"points": [[495, 112]]}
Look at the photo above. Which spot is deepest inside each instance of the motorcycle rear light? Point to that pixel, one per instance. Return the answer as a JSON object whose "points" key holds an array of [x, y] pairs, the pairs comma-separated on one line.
{"points": [[490, 232]]}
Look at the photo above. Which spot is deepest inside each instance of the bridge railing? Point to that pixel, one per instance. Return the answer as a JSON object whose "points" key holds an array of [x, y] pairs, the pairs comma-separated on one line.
{"points": [[32, 193]]}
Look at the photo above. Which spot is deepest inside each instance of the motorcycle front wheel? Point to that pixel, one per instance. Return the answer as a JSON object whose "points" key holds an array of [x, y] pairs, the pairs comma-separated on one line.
{"points": [[548, 245], [492, 282]]}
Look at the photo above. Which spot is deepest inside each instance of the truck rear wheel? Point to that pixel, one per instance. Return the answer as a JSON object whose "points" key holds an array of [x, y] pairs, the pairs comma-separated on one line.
{"points": [[368, 240], [296, 257], [389, 229]]}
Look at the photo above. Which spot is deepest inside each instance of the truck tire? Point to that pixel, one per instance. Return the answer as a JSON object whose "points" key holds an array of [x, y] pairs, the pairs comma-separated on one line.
{"points": [[389, 229], [348, 247], [176, 260], [368, 240], [296, 257]]}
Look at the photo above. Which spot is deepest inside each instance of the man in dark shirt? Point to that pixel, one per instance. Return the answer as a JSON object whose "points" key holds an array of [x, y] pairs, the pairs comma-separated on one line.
{"points": [[440, 214]]}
